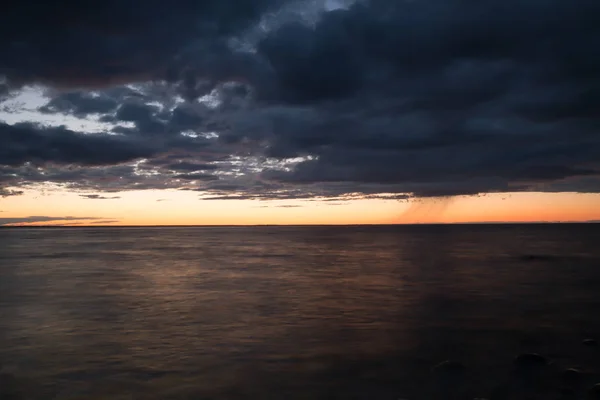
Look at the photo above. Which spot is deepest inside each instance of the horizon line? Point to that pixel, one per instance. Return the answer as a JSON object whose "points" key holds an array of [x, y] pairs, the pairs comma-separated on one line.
{"points": [[305, 225]]}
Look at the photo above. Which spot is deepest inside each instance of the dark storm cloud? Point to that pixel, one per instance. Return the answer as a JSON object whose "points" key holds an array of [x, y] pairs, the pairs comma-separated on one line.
{"points": [[393, 42], [80, 104], [261, 190], [139, 114], [184, 118], [26, 142], [149, 119], [143, 116], [4, 91], [107, 179], [189, 167], [429, 97], [72, 44], [197, 177], [495, 162], [443, 97]]}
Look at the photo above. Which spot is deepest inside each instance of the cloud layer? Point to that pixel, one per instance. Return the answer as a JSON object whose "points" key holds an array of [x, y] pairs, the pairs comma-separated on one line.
{"points": [[285, 99]]}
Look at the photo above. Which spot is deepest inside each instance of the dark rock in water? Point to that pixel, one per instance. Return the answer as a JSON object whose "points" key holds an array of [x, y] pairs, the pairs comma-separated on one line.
{"points": [[500, 393], [567, 394], [448, 367], [590, 342], [530, 361], [529, 370], [449, 381], [594, 393], [571, 377]]}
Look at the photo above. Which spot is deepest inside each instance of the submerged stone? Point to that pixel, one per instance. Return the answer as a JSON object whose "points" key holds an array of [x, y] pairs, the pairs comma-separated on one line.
{"points": [[449, 367], [567, 394], [530, 360], [571, 376], [594, 392]]}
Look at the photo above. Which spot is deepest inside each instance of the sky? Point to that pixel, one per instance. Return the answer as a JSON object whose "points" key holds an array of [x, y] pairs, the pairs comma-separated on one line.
{"points": [[299, 112]]}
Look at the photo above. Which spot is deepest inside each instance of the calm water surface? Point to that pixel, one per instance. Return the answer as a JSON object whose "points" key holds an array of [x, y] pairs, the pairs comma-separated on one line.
{"points": [[289, 312]]}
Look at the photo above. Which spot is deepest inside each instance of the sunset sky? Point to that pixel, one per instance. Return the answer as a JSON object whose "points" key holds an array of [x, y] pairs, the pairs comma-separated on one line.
{"points": [[299, 112], [172, 207]]}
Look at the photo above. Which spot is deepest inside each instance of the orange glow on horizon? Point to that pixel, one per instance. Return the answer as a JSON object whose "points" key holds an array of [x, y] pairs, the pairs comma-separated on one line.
{"points": [[185, 208]]}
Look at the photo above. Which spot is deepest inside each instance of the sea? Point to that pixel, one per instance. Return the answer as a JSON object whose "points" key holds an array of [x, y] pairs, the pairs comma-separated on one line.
{"points": [[302, 312]]}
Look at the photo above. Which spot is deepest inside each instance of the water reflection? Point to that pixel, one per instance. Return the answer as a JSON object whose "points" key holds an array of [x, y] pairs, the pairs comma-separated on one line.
{"points": [[257, 312]]}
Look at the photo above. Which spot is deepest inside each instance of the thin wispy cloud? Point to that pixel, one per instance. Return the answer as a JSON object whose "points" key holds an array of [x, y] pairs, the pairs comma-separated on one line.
{"points": [[48, 219], [98, 197], [86, 223]]}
